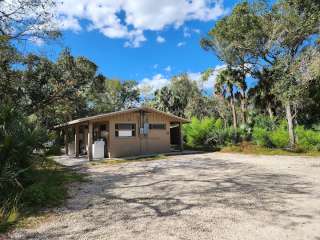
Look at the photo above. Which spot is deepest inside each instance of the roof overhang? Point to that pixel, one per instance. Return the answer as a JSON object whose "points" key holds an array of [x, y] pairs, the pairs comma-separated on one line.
{"points": [[111, 114]]}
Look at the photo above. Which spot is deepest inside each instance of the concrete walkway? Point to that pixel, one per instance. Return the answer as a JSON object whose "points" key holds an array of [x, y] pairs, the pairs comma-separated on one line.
{"points": [[70, 161]]}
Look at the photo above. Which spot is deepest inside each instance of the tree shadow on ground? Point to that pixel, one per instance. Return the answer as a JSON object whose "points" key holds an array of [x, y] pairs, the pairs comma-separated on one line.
{"points": [[169, 189]]}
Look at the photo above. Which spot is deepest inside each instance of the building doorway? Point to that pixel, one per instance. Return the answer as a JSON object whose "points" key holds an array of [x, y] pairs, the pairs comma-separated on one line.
{"points": [[175, 137]]}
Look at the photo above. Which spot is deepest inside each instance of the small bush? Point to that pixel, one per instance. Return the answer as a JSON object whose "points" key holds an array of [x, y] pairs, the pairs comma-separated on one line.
{"points": [[280, 137], [264, 122], [218, 124], [260, 137], [54, 144], [308, 140], [244, 133], [197, 131], [219, 137], [21, 142], [54, 150]]}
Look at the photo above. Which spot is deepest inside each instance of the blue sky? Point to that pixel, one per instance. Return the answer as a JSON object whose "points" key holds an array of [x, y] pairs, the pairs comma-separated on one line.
{"points": [[144, 40]]}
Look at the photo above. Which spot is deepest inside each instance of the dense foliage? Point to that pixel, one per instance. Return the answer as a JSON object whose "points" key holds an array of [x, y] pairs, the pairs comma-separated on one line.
{"points": [[19, 140], [278, 45], [210, 134]]}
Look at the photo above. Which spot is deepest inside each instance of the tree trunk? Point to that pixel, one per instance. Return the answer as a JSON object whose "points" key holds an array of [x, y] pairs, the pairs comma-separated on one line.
{"points": [[291, 132], [243, 111], [225, 123], [234, 114], [66, 144], [270, 112]]}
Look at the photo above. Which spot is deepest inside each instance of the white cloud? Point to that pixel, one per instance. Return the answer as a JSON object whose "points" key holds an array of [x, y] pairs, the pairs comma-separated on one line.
{"points": [[196, 30], [197, 76], [181, 44], [128, 19], [187, 32], [147, 86], [69, 23], [36, 41], [160, 39], [168, 69], [155, 66]]}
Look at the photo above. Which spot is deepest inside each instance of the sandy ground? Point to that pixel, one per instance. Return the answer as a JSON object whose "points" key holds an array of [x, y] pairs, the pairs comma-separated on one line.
{"points": [[201, 196]]}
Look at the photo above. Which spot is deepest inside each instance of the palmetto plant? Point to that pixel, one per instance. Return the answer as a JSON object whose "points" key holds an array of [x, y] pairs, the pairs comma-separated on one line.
{"points": [[19, 142]]}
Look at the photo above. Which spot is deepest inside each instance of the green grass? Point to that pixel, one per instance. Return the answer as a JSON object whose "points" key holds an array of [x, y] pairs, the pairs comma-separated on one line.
{"points": [[128, 160], [248, 148], [45, 186]]}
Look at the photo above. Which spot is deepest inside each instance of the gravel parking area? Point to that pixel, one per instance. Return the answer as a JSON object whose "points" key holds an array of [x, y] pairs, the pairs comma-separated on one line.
{"points": [[200, 196]]}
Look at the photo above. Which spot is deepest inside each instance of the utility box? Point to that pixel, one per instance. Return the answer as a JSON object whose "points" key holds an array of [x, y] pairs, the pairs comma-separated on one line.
{"points": [[145, 128]]}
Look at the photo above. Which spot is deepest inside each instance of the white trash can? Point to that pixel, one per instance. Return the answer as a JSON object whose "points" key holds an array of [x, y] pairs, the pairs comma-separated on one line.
{"points": [[98, 149]]}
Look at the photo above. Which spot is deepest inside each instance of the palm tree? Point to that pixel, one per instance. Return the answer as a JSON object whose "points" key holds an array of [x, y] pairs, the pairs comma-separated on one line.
{"points": [[240, 83], [224, 88], [262, 93]]}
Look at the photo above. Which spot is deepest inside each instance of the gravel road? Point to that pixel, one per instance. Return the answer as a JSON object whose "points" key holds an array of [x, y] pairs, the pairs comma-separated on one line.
{"points": [[200, 196]]}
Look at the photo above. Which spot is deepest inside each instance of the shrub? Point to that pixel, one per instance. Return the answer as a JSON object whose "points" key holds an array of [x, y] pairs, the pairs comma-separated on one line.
{"points": [[264, 122], [308, 140], [244, 133], [218, 137], [225, 136], [269, 135], [54, 144], [279, 138], [197, 131], [210, 133], [54, 150], [260, 137], [218, 124], [20, 140]]}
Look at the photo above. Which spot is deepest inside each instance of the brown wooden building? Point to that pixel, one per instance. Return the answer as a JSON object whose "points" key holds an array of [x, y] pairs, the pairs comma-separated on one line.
{"points": [[132, 132]]}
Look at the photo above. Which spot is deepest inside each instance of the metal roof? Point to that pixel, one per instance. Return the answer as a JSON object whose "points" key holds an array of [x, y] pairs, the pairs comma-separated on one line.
{"points": [[111, 114]]}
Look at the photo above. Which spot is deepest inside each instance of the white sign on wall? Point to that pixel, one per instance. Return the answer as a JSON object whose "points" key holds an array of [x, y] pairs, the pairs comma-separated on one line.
{"points": [[125, 133]]}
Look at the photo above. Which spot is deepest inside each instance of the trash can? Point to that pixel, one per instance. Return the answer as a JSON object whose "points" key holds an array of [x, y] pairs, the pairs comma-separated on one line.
{"points": [[98, 149]]}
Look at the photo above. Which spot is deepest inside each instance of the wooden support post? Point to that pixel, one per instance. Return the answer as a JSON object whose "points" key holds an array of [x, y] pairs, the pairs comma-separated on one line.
{"points": [[108, 141], [76, 141], [90, 138], [66, 144], [181, 136]]}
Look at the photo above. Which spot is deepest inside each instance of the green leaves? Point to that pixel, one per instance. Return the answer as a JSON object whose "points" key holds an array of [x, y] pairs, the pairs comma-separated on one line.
{"points": [[275, 45], [109, 95], [20, 143], [238, 38], [178, 96]]}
